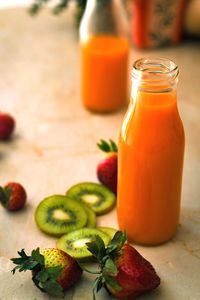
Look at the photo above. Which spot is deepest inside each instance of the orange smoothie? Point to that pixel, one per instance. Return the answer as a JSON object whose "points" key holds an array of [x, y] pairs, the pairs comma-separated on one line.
{"points": [[104, 68], [151, 149]]}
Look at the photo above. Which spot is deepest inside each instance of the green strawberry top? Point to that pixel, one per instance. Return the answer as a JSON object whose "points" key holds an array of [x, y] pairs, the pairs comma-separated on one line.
{"points": [[45, 278], [105, 257], [52, 269], [108, 147]]}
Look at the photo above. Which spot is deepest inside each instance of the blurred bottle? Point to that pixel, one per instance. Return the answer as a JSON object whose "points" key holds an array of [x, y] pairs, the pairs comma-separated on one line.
{"points": [[104, 51], [157, 22]]}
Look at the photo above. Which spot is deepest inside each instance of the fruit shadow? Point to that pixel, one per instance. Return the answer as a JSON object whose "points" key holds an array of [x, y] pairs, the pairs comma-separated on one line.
{"points": [[8, 145]]}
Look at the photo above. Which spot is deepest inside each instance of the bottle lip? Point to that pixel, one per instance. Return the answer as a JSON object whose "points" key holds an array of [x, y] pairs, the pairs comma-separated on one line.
{"points": [[155, 70]]}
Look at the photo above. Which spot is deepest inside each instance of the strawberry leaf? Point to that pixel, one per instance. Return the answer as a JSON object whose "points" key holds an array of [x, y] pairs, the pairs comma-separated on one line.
{"points": [[116, 243], [46, 280], [36, 256], [107, 146], [112, 283], [97, 247], [104, 146], [42, 276], [4, 195], [53, 288], [25, 262], [55, 272], [113, 146], [110, 268], [98, 283]]}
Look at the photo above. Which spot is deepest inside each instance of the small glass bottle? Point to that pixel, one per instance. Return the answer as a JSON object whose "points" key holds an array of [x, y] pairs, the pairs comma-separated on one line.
{"points": [[104, 51], [151, 150]]}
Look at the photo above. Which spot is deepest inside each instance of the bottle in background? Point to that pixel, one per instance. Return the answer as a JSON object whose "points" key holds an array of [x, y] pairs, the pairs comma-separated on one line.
{"points": [[157, 22], [104, 50]]}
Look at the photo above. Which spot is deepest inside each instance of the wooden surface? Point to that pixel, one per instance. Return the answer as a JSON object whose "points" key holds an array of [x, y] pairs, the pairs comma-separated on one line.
{"points": [[54, 146]]}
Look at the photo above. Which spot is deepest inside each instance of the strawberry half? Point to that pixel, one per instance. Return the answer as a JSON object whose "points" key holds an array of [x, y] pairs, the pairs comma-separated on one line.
{"points": [[53, 270], [107, 168], [7, 125], [13, 196], [125, 273]]}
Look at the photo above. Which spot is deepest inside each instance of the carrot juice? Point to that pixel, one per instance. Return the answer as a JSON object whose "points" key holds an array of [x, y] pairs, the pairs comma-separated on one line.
{"points": [[151, 149], [104, 68]]}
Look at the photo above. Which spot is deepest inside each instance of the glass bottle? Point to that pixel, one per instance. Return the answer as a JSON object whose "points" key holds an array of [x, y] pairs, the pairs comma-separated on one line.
{"points": [[104, 49], [151, 150]]}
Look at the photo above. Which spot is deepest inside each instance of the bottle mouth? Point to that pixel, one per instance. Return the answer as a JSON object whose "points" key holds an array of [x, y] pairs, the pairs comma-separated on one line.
{"points": [[155, 71]]}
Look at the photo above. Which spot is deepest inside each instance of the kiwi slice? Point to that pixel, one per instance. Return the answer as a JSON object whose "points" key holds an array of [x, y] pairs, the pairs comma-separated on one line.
{"points": [[91, 216], [74, 243], [97, 196], [108, 230], [59, 214]]}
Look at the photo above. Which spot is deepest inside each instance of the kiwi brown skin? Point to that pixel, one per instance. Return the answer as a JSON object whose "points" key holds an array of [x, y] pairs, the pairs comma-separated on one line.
{"points": [[47, 223]]}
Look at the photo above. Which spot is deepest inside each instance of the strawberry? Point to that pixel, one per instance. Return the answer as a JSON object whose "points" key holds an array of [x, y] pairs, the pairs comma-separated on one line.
{"points": [[53, 270], [12, 196], [107, 168], [124, 272], [7, 125]]}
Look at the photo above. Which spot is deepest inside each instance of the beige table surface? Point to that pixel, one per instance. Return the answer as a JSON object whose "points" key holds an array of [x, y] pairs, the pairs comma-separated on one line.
{"points": [[54, 147]]}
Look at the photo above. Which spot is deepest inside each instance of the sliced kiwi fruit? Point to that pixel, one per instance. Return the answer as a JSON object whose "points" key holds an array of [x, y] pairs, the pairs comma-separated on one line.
{"points": [[91, 216], [97, 196], [108, 230], [59, 214], [74, 243]]}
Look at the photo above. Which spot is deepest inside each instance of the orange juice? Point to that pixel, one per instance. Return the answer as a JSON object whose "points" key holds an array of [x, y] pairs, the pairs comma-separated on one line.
{"points": [[104, 63], [151, 149]]}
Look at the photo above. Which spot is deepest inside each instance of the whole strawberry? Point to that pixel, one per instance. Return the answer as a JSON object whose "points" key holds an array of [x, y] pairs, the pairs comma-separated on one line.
{"points": [[13, 196], [124, 272], [7, 125], [53, 270], [107, 167]]}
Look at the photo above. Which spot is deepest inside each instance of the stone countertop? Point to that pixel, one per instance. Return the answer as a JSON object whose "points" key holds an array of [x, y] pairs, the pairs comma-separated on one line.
{"points": [[54, 146]]}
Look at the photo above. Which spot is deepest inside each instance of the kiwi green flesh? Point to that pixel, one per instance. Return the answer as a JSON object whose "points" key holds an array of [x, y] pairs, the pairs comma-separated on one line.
{"points": [[97, 196], [108, 230], [59, 214], [74, 243], [91, 216]]}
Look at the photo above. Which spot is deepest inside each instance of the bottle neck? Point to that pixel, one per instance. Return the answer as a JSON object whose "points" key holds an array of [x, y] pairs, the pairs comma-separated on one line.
{"points": [[154, 82], [155, 75], [104, 17]]}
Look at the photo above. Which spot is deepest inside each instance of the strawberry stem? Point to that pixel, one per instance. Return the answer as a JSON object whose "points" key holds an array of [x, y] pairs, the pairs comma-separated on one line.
{"points": [[87, 270]]}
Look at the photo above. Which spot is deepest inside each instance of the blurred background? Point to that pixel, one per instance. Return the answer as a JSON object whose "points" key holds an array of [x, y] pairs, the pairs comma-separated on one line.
{"points": [[190, 22]]}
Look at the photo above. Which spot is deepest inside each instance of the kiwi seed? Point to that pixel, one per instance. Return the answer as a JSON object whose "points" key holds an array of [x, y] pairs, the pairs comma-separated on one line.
{"points": [[59, 214], [74, 243], [97, 196]]}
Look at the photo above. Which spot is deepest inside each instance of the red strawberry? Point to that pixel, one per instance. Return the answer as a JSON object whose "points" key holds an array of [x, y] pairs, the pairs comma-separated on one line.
{"points": [[107, 168], [124, 272], [53, 270], [7, 125], [13, 196]]}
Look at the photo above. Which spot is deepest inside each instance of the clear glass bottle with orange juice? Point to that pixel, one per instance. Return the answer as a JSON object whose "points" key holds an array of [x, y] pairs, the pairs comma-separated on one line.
{"points": [[151, 151], [104, 50]]}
